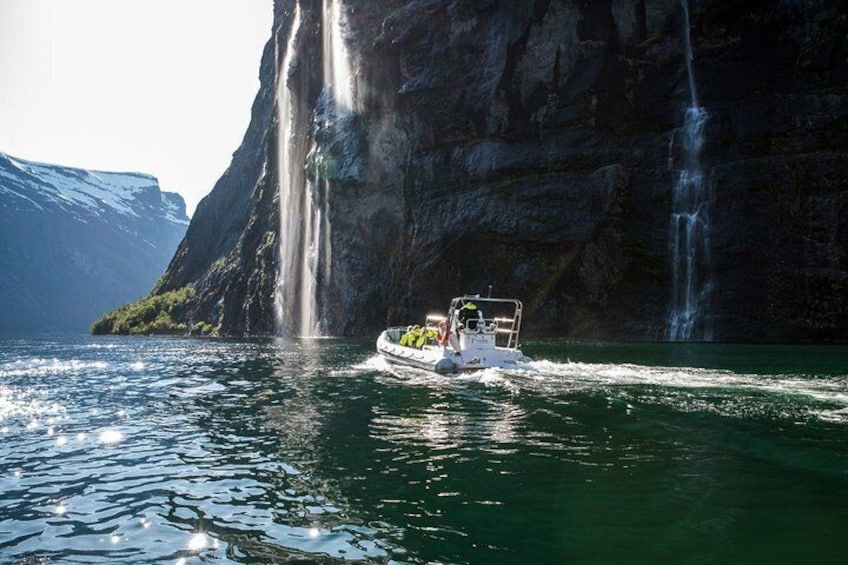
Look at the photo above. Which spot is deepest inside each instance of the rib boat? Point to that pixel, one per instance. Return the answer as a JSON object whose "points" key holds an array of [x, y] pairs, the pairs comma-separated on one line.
{"points": [[477, 333]]}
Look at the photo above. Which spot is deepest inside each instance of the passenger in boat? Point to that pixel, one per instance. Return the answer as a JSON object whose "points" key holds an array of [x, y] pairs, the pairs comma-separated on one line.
{"points": [[428, 335], [469, 316], [415, 336], [408, 338], [443, 333]]}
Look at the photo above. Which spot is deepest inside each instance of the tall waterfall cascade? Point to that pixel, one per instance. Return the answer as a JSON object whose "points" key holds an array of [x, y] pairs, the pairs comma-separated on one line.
{"points": [[305, 252], [291, 196], [689, 227]]}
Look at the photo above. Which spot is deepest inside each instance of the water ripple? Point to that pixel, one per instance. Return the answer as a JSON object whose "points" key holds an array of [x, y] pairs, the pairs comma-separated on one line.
{"points": [[186, 451], [123, 451]]}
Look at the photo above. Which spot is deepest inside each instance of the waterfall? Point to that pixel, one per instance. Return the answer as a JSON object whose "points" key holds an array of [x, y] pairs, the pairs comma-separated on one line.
{"points": [[338, 77], [689, 225], [294, 210], [339, 100], [315, 260], [305, 252], [690, 72]]}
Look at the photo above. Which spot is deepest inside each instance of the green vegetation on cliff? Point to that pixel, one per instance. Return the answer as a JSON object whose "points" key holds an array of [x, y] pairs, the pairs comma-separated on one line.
{"points": [[155, 314]]}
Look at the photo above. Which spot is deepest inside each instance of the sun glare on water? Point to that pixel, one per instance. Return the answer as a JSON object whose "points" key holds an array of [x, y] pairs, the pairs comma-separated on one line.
{"points": [[197, 542], [110, 437]]}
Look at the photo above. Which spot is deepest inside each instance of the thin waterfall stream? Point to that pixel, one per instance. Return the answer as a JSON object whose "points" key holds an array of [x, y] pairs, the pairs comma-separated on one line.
{"points": [[689, 226], [338, 77]]}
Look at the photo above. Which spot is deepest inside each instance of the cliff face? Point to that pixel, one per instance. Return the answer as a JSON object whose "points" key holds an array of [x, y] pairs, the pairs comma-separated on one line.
{"points": [[530, 145], [75, 243]]}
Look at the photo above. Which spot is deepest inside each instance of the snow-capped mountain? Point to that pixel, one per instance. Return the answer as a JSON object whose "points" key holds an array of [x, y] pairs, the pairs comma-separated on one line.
{"points": [[76, 243]]}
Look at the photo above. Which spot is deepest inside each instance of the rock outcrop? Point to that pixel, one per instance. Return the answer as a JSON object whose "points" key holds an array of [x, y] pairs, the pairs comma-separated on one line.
{"points": [[526, 145], [75, 243]]}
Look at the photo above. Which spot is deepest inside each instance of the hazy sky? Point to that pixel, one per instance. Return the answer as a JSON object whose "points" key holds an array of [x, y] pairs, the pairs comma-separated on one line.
{"points": [[154, 86]]}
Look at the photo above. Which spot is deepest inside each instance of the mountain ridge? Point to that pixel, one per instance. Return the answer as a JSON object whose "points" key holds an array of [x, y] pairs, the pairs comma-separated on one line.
{"points": [[77, 242]]}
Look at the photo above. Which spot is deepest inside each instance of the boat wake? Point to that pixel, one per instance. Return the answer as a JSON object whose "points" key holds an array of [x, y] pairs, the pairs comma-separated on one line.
{"points": [[685, 388]]}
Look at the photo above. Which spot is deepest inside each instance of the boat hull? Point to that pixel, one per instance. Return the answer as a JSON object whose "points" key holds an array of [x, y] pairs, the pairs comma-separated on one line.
{"points": [[445, 359], [431, 358]]}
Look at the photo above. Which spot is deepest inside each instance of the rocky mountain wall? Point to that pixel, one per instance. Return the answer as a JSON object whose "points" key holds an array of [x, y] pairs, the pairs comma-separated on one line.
{"points": [[528, 145], [75, 243]]}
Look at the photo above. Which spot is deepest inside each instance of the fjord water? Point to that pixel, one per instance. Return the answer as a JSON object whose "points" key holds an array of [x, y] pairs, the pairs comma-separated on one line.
{"points": [[187, 451]]}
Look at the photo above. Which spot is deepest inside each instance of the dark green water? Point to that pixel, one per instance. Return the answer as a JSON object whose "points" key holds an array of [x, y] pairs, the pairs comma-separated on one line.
{"points": [[192, 451]]}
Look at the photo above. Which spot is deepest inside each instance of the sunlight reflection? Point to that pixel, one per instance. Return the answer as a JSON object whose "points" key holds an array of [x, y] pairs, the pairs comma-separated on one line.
{"points": [[110, 437], [436, 430], [443, 429], [197, 542]]}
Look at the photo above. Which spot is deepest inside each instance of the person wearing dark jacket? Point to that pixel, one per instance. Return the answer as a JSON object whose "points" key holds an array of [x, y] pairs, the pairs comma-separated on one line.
{"points": [[469, 316]]}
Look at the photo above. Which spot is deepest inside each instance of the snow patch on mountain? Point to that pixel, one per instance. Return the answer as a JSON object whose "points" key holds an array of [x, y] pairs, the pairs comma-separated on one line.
{"points": [[97, 191]]}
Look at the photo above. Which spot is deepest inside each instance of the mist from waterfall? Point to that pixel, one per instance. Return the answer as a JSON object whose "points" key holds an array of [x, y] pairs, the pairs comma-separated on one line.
{"points": [[690, 223]]}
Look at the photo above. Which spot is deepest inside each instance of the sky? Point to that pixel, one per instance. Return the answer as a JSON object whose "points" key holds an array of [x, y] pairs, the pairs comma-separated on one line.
{"points": [[162, 87]]}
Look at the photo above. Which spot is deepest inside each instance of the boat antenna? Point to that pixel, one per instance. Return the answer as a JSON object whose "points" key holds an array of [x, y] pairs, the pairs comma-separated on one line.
{"points": [[490, 292]]}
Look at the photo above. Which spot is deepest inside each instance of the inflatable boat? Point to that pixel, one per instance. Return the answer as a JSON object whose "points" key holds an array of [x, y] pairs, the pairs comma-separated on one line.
{"points": [[477, 333]]}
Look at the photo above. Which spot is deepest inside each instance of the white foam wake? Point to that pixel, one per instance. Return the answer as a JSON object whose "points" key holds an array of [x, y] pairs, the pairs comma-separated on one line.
{"points": [[716, 390]]}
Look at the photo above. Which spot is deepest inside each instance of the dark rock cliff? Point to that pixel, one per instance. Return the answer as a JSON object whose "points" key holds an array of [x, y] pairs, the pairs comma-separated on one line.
{"points": [[526, 145]]}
